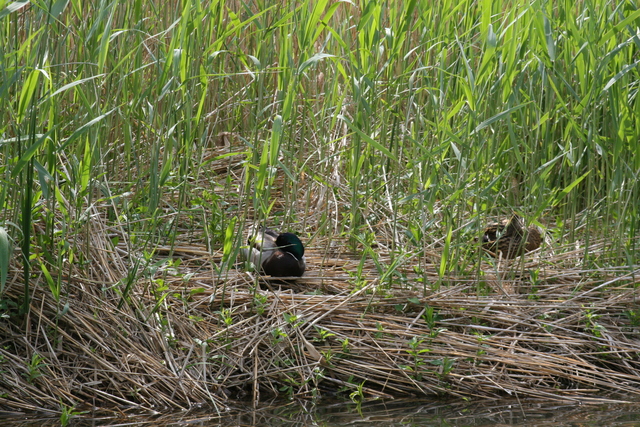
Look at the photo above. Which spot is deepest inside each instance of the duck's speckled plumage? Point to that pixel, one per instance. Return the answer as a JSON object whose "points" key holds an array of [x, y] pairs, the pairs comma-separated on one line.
{"points": [[511, 238], [278, 255]]}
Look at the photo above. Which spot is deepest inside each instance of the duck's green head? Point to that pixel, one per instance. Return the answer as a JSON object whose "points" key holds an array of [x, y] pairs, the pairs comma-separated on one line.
{"points": [[289, 242]]}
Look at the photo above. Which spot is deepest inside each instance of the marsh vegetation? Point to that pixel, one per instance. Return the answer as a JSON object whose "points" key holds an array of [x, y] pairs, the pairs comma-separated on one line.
{"points": [[141, 140]]}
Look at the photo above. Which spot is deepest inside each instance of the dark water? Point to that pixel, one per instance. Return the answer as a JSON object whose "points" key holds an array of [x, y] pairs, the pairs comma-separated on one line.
{"points": [[379, 413]]}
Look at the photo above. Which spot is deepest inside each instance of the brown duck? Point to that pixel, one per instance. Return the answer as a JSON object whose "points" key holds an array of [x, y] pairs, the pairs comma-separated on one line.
{"points": [[511, 238]]}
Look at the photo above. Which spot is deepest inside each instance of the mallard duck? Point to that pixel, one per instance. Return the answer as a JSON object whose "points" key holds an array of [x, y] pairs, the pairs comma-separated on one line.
{"points": [[278, 255], [511, 238]]}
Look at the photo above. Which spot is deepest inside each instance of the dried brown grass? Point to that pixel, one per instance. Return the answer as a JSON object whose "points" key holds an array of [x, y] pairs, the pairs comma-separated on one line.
{"points": [[204, 334]]}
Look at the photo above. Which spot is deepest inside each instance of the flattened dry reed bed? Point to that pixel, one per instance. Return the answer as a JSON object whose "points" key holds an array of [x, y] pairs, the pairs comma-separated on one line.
{"points": [[187, 335], [149, 333]]}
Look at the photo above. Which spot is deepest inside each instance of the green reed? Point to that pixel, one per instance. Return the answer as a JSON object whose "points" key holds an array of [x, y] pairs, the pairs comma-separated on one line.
{"points": [[421, 118]]}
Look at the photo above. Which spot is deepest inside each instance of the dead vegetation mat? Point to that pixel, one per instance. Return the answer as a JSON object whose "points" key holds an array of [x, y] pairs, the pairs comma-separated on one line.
{"points": [[178, 327], [196, 334]]}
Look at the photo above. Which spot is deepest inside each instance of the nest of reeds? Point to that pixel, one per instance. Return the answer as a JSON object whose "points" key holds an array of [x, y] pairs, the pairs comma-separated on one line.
{"points": [[133, 331]]}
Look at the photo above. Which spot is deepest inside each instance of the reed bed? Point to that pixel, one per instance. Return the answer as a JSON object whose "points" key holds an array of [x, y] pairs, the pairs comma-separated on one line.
{"points": [[193, 332], [139, 140]]}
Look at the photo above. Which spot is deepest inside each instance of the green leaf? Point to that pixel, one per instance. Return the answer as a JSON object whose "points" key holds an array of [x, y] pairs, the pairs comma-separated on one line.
{"points": [[621, 74], [570, 187], [548, 35], [57, 8], [27, 92], [367, 138], [12, 7], [5, 257], [53, 286], [313, 60], [28, 154], [498, 117], [229, 239], [85, 167]]}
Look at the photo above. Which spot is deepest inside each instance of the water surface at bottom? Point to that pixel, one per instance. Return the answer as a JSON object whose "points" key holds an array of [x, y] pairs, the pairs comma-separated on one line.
{"points": [[401, 412]]}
